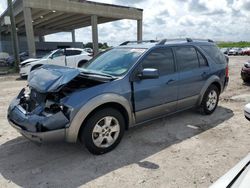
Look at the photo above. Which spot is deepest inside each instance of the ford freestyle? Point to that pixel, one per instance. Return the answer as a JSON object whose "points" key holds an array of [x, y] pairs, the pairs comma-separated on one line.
{"points": [[122, 87]]}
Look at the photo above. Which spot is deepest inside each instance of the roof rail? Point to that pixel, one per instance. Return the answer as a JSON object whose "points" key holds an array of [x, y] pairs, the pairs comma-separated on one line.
{"points": [[163, 41], [203, 40], [138, 42]]}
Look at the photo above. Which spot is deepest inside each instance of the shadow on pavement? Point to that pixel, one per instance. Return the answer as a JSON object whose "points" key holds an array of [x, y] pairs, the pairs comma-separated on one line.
{"points": [[70, 165]]}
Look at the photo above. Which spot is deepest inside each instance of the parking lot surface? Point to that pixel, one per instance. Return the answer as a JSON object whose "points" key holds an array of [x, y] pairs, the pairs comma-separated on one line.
{"points": [[182, 150]]}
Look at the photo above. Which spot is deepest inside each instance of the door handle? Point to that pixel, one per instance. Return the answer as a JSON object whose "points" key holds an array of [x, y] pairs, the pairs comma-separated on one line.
{"points": [[170, 81]]}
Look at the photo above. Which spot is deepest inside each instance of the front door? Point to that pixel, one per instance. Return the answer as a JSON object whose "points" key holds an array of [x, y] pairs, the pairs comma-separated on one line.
{"points": [[57, 58], [156, 97]]}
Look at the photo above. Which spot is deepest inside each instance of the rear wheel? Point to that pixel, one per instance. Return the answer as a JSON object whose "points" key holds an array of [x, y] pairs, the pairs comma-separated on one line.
{"points": [[210, 100], [103, 131]]}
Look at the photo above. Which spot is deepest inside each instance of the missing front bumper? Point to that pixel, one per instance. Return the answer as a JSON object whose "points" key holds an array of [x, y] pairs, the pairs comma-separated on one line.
{"points": [[41, 137], [37, 126]]}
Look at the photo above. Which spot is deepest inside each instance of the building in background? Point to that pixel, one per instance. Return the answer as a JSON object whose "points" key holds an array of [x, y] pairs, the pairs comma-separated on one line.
{"points": [[36, 18]]}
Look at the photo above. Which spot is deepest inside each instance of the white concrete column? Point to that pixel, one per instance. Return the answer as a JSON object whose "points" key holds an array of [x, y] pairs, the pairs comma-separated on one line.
{"points": [[29, 31], [94, 34], [139, 30], [73, 34], [41, 38]]}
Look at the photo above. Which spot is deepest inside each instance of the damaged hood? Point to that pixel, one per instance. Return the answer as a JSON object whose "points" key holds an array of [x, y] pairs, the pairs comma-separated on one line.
{"points": [[50, 78]]}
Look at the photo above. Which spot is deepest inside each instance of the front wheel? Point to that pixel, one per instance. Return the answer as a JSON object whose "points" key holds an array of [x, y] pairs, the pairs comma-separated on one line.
{"points": [[103, 131], [210, 100]]}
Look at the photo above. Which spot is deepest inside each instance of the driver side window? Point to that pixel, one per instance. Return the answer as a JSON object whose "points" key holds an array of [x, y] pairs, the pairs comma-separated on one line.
{"points": [[161, 59], [58, 54]]}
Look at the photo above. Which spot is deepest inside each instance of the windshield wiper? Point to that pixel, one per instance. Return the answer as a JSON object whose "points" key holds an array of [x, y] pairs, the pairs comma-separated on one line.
{"points": [[99, 74]]}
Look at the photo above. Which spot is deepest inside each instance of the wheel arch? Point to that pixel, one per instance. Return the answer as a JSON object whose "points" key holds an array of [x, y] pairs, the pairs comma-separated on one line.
{"points": [[82, 61], [35, 66], [107, 100], [113, 105], [214, 80]]}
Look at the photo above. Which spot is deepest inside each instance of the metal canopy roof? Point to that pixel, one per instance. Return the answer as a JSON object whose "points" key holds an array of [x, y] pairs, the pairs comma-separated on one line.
{"points": [[52, 16]]}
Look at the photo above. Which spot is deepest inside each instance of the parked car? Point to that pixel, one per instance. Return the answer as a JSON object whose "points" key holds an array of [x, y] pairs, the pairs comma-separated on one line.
{"points": [[71, 57], [246, 51], [235, 51], [3, 59], [247, 111], [22, 56], [122, 87], [224, 50], [245, 72], [238, 176]]}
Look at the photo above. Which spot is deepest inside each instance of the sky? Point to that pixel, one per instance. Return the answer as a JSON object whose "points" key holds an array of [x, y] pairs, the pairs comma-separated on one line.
{"points": [[220, 20]]}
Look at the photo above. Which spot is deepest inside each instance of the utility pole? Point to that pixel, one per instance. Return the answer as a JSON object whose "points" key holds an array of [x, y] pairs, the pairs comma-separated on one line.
{"points": [[14, 34]]}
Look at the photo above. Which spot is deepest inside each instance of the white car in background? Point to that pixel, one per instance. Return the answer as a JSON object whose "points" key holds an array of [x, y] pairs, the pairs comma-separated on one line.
{"points": [[71, 57], [247, 111], [239, 175]]}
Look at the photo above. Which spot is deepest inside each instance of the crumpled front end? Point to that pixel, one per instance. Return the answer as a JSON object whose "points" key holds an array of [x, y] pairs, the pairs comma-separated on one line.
{"points": [[38, 117], [40, 112]]}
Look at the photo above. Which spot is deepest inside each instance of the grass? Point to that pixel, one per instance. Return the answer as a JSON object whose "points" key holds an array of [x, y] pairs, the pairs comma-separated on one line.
{"points": [[8, 70], [241, 44]]}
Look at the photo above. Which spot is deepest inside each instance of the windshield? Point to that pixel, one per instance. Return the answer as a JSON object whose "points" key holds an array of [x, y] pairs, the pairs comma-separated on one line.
{"points": [[115, 62], [46, 56]]}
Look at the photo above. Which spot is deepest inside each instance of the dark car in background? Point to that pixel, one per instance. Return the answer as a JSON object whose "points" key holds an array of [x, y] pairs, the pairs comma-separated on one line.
{"points": [[245, 72], [22, 56], [224, 50]]}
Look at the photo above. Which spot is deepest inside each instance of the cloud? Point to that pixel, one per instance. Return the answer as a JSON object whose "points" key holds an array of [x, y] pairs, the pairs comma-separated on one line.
{"points": [[215, 19], [197, 6]]}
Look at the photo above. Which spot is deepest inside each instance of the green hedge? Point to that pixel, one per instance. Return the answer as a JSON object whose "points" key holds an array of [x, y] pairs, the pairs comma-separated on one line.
{"points": [[241, 44]]}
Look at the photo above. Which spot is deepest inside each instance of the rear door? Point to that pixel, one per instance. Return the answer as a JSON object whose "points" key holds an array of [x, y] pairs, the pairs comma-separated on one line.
{"points": [[71, 57], [156, 97], [193, 72]]}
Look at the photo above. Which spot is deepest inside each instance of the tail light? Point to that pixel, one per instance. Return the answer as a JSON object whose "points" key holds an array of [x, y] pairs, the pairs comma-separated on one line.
{"points": [[227, 71]]}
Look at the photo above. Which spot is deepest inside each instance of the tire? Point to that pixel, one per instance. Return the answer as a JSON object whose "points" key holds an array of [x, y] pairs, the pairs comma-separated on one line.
{"points": [[96, 134], [210, 100], [81, 63]]}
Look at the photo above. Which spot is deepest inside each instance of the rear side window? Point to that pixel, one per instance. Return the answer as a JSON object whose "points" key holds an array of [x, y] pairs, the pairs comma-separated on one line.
{"points": [[214, 53], [202, 60], [161, 59], [186, 58], [72, 52]]}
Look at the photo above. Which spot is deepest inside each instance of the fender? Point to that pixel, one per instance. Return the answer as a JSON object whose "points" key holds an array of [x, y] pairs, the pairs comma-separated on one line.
{"points": [[73, 130], [211, 80]]}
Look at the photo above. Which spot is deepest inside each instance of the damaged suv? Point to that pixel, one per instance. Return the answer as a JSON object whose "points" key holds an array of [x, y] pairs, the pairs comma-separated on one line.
{"points": [[122, 87]]}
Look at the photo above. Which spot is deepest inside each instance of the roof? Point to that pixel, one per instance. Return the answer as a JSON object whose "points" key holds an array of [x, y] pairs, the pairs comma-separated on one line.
{"points": [[52, 16], [151, 43]]}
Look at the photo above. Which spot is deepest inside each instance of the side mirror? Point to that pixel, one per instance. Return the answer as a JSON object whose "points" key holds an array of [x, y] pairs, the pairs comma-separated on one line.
{"points": [[51, 57], [149, 73]]}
